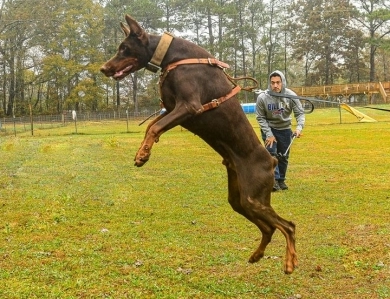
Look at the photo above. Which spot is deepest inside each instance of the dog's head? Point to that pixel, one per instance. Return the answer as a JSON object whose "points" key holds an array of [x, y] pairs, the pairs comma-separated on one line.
{"points": [[132, 54]]}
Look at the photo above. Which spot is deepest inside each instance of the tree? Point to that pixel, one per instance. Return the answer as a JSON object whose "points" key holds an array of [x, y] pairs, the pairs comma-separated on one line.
{"points": [[51, 50], [374, 17], [15, 37], [319, 32], [72, 51], [255, 23], [355, 58], [59, 42]]}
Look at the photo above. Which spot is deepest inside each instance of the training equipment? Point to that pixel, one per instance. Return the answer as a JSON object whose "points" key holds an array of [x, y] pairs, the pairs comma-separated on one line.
{"points": [[360, 116], [281, 156]]}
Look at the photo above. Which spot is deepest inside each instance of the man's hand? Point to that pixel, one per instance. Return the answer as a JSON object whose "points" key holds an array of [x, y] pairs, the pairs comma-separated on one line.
{"points": [[297, 133], [270, 141]]}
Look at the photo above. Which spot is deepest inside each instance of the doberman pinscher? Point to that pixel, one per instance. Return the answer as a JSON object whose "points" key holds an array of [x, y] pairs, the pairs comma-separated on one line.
{"points": [[199, 96]]}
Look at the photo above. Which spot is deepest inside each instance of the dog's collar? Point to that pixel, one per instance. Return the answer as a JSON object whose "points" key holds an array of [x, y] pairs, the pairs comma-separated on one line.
{"points": [[154, 64]]}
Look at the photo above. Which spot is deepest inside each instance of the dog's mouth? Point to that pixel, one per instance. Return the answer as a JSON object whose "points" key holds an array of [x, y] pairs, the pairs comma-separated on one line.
{"points": [[122, 73]]}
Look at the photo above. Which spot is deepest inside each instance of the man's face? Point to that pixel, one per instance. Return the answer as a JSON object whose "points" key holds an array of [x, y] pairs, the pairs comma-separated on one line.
{"points": [[276, 84]]}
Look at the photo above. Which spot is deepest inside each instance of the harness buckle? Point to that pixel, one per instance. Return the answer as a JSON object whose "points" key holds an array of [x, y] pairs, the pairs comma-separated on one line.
{"points": [[216, 102], [214, 62], [153, 67]]}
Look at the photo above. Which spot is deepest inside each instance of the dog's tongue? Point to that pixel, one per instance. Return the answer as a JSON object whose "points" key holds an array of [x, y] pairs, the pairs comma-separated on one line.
{"points": [[120, 73]]}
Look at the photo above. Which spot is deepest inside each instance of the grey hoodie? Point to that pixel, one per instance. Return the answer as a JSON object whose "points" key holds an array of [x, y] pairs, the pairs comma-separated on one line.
{"points": [[275, 112]]}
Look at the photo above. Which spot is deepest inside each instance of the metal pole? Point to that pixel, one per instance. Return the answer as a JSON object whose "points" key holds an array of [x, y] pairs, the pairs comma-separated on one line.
{"points": [[31, 121], [14, 126], [127, 119], [339, 110], [74, 116]]}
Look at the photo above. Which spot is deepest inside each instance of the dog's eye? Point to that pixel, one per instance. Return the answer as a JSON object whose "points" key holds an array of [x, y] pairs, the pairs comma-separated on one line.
{"points": [[124, 49]]}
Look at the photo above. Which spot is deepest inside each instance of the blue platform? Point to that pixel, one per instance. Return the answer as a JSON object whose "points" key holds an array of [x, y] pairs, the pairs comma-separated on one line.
{"points": [[249, 107]]}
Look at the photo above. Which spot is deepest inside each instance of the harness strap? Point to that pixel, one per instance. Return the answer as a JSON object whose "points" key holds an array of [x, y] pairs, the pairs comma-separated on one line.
{"points": [[210, 61], [216, 102]]}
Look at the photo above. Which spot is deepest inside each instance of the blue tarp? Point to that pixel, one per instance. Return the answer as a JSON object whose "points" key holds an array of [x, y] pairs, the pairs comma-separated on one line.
{"points": [[249, 107]]}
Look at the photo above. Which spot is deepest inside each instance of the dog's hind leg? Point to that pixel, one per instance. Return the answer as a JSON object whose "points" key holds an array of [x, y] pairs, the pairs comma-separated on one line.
{"points": [[267, 220], [234, 198], [258, 210], [288, 230], [266, 236]]}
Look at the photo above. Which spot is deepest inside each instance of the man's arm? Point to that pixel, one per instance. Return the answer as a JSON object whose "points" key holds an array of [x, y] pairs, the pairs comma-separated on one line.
{"points": [[299, 116], [261, 115], [299, 113]]}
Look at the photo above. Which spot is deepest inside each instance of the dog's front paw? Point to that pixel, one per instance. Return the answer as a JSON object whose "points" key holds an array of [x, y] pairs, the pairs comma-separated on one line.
{"points": [[142, 156], [140, 161]]}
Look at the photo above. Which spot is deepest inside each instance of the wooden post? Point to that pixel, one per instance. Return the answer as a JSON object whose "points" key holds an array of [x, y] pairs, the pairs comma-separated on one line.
{"points": [[339, 110], [31, 120]]}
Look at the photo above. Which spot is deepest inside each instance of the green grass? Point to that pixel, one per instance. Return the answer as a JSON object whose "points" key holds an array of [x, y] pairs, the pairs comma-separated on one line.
{"points": [[78, 220]]}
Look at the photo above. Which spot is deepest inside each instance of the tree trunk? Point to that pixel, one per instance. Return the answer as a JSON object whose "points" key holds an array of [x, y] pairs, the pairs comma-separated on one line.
{"points": [[11, 92], [372, 63], [135, 90]]}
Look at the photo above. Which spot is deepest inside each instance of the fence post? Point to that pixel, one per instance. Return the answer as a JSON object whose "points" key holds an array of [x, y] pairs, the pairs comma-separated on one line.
{"points": [[339, 110], [14, 125], [74, 115], [31, 120]]}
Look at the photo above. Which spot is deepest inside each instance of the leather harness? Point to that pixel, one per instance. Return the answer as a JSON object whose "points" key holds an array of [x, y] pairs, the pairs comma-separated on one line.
{"points": [[158, 56]]}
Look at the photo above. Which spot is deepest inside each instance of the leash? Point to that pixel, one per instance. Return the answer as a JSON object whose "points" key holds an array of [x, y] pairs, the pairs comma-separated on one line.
{"points": [[308, 101], [283, 95], [247, 88], [151, 115], [382, 109]]}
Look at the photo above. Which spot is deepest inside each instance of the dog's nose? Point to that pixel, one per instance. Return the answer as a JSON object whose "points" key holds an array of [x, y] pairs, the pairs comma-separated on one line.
{"points": [[103, 69]]}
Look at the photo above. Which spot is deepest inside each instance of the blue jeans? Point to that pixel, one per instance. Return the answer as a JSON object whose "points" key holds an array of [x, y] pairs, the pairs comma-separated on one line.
{"points": [[283, 140]]}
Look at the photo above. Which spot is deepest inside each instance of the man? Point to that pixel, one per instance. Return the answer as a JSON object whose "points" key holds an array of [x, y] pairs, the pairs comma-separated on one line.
{"points": [[274, 118]]}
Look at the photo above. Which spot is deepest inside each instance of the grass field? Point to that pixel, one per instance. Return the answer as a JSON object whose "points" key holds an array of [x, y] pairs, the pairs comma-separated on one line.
{"points": [[78, 220]]}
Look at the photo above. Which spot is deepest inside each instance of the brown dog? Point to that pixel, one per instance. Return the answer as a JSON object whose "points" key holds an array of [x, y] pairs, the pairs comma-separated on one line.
{"points": [[199, 96]]}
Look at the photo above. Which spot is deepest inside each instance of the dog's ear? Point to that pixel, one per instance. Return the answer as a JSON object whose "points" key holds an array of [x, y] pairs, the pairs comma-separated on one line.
{"points": [[136, 29], [125, 29]]}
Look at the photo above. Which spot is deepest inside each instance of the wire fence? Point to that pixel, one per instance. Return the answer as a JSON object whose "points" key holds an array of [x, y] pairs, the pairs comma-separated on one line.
{"points": [[22, 124]]}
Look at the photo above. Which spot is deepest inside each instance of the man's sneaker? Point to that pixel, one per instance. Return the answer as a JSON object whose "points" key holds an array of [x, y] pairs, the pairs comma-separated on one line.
{"points": [[276, 187], [282, 185]]}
